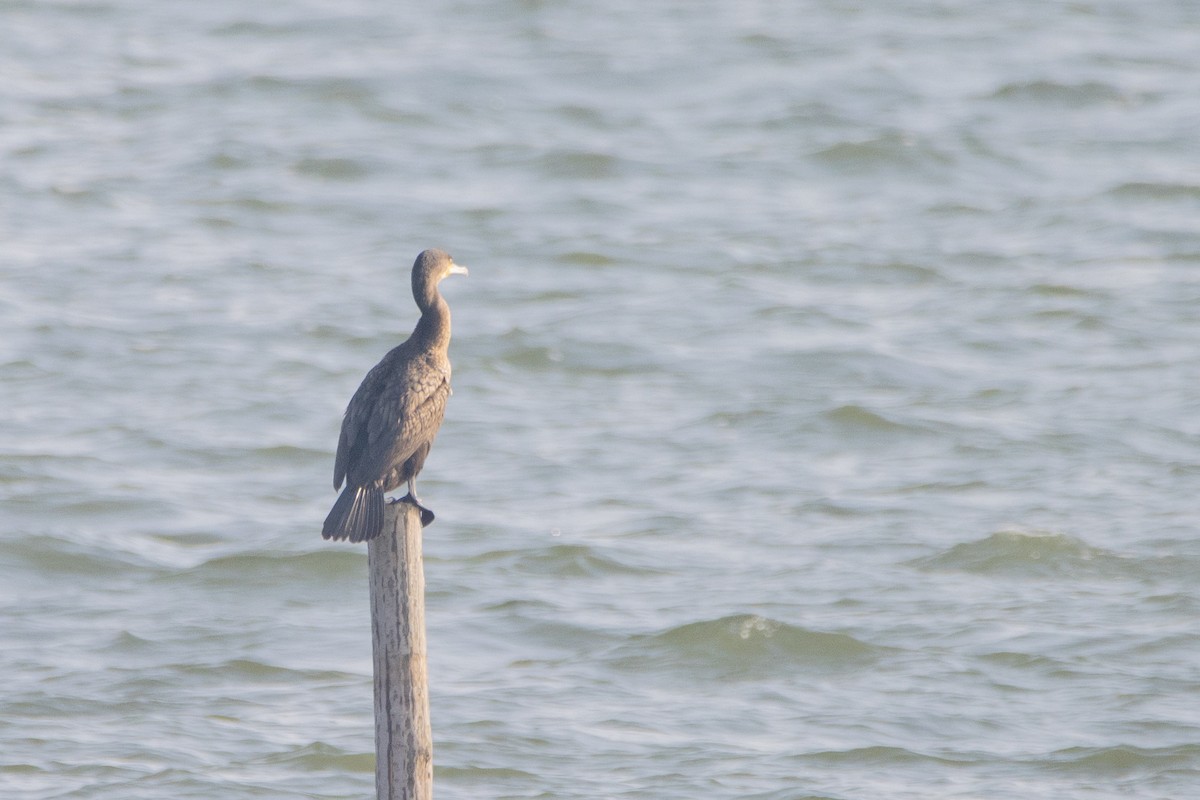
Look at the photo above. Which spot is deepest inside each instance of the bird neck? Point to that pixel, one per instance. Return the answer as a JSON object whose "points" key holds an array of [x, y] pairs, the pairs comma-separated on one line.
{"points": [[433, 329]]}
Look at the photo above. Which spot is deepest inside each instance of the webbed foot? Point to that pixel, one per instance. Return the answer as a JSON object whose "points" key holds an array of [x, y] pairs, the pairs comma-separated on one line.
{"points": [[427, 516]]}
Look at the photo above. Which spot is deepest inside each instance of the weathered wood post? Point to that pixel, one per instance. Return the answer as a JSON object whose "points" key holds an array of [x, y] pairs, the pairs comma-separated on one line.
{"points": [[403, 738]]}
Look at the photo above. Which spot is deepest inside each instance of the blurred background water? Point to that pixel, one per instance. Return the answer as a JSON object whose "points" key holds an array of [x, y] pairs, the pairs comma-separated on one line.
{"points": [[825, 421]]}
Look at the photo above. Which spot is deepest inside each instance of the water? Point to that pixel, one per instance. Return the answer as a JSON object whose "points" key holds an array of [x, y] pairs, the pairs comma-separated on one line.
{"points": [[824, 426]]}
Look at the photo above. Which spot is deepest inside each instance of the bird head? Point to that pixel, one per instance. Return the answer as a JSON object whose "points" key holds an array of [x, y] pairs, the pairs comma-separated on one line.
{"points": [[433, 265]]}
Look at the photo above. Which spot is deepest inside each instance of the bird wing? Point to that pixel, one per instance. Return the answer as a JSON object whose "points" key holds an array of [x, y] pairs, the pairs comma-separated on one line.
{"points": [[398, 407], [406, 413], [356, 421]]}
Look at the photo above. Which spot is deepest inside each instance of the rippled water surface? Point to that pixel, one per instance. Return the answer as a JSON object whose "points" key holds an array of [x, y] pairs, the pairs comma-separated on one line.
{"points": [[825, 424]]}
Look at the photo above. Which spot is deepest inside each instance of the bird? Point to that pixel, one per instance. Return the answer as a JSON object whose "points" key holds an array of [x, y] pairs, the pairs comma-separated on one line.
{"points": [[393, 417]]}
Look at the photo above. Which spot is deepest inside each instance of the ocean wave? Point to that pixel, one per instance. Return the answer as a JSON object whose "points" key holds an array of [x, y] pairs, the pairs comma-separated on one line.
{"points": [[745, 646], [1022, 553]]}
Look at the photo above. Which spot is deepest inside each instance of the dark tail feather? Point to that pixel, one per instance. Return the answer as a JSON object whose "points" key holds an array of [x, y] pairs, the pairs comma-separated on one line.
{"points": [[357, 515]]}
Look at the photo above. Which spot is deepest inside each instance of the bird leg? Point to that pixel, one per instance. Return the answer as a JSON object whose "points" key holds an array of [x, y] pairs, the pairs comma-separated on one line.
{"points": [[426, 515]]}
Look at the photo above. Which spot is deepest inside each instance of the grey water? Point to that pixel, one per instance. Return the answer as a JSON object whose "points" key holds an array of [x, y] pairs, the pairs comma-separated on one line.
{"points": [[825, 420]]}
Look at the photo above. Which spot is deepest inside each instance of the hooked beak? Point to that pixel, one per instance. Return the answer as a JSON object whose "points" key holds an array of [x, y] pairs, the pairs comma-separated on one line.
{"points": [[458, 269]]}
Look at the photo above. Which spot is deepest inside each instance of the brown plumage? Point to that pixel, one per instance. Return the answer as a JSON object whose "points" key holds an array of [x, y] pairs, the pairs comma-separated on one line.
{"points": [[392, 419]]}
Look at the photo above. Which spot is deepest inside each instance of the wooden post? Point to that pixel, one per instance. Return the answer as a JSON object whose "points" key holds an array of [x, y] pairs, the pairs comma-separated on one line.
{"points": [[403, 739]]}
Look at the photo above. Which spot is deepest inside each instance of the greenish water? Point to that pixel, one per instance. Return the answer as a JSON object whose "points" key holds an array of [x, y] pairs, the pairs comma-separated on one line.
{"points": [[825, 414]]}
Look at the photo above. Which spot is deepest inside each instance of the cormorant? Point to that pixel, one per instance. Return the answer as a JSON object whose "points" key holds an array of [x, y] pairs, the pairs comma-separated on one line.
{"points": [[390, 422]]}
